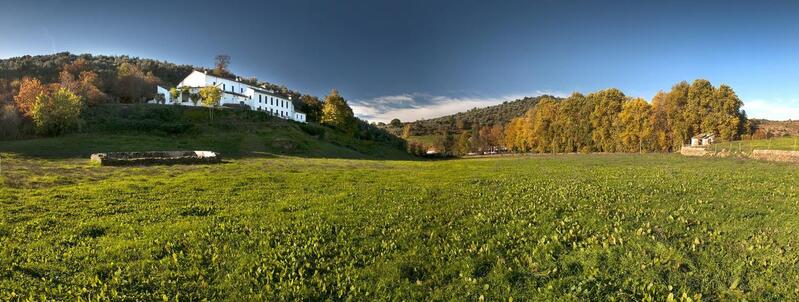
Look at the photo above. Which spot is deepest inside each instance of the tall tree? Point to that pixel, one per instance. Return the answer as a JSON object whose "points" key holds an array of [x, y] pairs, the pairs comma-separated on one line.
{"points": [[604, 118], [728, 116], [337, 113], [634, 129], [312, 107], [221, 63]]}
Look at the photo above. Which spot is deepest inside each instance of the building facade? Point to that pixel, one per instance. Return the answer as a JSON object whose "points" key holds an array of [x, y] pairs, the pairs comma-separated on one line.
{"points": [[233, 93]]}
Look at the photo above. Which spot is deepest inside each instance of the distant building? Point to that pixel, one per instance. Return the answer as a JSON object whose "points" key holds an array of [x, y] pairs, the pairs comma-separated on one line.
{"points": [[704, 139], [234, 93]]}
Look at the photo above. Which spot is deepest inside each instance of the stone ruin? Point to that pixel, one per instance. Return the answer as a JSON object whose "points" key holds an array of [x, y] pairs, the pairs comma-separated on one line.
{"points": [[155, 158]]}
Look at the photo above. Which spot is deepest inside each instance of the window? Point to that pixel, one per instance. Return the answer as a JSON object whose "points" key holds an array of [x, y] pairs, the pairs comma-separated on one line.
{"points": [[242, 90], [223, 86], [259, 98]]}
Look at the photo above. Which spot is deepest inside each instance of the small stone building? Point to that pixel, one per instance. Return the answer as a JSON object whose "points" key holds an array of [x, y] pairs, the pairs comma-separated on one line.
{"points": [[704, 139]]}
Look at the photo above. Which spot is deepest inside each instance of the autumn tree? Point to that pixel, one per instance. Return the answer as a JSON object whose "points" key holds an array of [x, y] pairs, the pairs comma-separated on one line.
{"points": [[78, 78], [210, 96], [728, 118], [29, 90], [56, 113], [634, 128], [608, 104], [133, 85], [336, 113]]}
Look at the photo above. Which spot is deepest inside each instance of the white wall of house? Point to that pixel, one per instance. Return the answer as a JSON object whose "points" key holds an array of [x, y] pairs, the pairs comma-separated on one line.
{"points": [[241, 94]]}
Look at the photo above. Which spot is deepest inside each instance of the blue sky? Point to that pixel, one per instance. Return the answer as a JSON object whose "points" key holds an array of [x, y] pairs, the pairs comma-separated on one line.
{"points": [[419, 59]]}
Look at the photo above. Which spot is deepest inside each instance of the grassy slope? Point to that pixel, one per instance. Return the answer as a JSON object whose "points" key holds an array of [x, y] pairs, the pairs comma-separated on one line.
{"points": [[234, 133], [789, 143], [582, 227]]}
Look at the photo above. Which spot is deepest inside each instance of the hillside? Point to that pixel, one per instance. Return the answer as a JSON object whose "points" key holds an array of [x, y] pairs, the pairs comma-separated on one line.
{"points": [[140, 127], [486, 116], [47, 69]]}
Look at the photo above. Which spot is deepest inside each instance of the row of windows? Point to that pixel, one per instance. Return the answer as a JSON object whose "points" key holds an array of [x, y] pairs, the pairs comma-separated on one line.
{"points": [[273, 101]]}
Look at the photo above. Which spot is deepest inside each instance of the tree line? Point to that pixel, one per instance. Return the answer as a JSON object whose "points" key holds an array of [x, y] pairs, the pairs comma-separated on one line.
{"points": [[608, 121]]}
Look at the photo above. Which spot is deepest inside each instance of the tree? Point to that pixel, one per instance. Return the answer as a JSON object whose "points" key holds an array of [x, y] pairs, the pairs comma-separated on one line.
{"points": [[57, 113], [336, 113], [395, 123], [133, 85], [174, 93], [634, 126], [221, 63], [608, 104], [311, 106], [29, 90], [210, 96], [407, 130], [463, 145], [727, 113]]}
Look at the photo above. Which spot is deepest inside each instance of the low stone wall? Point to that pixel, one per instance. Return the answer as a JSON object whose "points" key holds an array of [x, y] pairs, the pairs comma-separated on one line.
{"points": [[693, 151], [155, 158], [776, 155]]}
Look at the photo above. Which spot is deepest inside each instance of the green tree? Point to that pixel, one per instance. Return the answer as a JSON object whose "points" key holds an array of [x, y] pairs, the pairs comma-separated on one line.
{"points": [[210, 96], [395, 123], [463, 145], [336, 113], [312, 107], [57, 113], [728, 116]]}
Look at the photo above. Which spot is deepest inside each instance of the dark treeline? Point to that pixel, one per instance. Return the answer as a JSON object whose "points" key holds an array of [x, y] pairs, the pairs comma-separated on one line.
{"points": [[603, 121]]}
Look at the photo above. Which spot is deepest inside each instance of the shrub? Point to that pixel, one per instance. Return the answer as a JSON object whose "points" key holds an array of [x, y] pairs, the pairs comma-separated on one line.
{"points": [[57, 113]]}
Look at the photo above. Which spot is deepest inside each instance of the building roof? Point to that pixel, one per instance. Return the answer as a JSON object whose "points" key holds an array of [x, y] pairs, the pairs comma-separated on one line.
{"points": [[237, 80]]}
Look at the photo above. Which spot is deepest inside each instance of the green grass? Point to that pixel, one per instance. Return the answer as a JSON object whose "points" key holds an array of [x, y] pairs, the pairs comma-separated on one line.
{"points": [[233, 133], [789, 143], [563, 227]]}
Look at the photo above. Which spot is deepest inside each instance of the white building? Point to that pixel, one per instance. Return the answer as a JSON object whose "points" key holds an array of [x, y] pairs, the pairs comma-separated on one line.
{"points": [[233, 93]]}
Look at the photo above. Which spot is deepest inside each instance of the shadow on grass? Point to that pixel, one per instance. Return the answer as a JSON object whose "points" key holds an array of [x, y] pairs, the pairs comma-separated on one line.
{"points": [[230, 146]]}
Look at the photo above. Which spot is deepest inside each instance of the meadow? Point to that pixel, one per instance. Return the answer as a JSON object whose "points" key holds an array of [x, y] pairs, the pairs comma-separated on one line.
{"points": [[651, 227]]}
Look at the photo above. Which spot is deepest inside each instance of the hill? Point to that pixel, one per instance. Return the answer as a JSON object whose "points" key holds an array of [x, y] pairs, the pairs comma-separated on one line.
{"points": [[47, 69], [237, 133], [456, 123]]}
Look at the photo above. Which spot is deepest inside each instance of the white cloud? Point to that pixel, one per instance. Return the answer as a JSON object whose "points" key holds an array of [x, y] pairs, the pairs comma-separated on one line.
{"points": [[412, 107], [772, 110]]}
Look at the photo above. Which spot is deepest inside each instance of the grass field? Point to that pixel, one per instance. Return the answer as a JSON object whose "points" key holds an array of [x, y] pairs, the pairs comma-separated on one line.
{"points": [[789, 143], [564, 227]]}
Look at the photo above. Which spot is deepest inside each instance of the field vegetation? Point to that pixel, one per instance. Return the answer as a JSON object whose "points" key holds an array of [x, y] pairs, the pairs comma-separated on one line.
{"points": [[650, 227]]}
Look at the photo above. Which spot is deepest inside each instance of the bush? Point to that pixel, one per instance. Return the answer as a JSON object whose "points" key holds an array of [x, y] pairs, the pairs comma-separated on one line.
{"points": [[57, 113]]}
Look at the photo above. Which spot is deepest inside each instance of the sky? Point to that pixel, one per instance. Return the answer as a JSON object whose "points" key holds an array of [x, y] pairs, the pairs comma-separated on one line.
{"points": [[414, 59]]}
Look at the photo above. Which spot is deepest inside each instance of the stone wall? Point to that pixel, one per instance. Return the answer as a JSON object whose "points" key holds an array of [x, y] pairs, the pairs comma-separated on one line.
{"points": [[776, 155], [155, 158]]}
